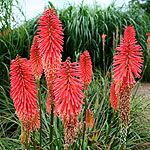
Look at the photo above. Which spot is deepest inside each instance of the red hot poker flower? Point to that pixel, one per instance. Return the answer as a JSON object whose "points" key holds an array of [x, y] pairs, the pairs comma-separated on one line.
{"points": [[50, 32], [86, 68], [67, 90], [113, 97], [68, 96], [128, 60], [36, 59], [23, 92]]}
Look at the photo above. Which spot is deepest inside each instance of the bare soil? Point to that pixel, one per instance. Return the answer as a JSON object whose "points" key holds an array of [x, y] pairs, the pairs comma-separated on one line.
{"points": [[142, 89]]}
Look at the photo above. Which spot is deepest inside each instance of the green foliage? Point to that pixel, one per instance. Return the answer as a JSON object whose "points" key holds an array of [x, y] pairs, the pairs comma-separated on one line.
{"points": [[84, 25], [144, 4], [138, 131]]}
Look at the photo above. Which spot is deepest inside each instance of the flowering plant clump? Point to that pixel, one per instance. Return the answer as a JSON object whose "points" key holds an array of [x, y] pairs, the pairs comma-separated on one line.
{"points": [[68, 86], [23, 92]]}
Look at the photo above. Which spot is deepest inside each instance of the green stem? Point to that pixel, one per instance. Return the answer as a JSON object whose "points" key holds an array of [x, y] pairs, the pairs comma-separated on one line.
{"points": [[34, 142], [123, 136], [39, 98], [103, 59], [85, 108], [27, 142], [52, 125], [112, 120]]}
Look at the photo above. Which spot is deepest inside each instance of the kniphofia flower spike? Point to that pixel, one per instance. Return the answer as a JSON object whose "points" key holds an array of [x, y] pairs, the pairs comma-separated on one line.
{"points": [[36, 59], [50, 32], [86, 68], [128, 60], [113, 97], [127, 64], [68, 97], [23, 92]]}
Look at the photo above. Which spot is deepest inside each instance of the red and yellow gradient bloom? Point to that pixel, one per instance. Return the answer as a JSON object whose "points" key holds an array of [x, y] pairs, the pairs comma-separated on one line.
{"points": [[128, 60], [23, 92], [36, 59], [86, 68]]}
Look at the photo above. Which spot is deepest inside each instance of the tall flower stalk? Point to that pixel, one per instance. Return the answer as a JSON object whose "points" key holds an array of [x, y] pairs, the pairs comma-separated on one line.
{"points": [[68, 94], [103, 40], [50, 32], [86, 76], [23, 92], [37, 69], [127, 64]]}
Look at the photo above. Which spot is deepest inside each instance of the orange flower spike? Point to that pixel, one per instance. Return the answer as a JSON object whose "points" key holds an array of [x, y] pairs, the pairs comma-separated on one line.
{"points": [[23, 92], [86, 68], [36, 59], [113, 97], [89, 119]]}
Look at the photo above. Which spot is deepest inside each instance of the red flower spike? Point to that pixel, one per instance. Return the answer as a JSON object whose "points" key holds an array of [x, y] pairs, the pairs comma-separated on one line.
{"points": [[128, 60], [36, 59], [67, 90], [113, 97], [50, 32], [23, 92], [68, 96], [86, 68], [89, 119]]}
